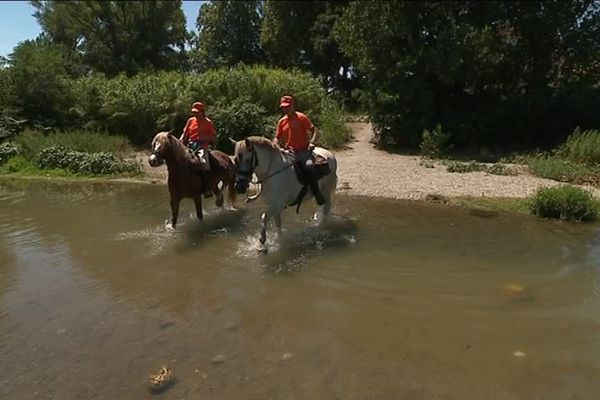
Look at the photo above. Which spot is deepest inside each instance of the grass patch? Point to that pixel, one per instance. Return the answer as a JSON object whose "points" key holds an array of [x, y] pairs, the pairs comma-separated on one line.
{"points": [[75, 153], [576, 161], [552, 167], [31, 143], [20, 166], [333, 133], [566, 202], [581, 147], [507, 204]]}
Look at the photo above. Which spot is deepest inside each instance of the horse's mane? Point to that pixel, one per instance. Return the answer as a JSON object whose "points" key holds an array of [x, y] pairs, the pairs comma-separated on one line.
{"points": [[263, 142], [177, 148]]}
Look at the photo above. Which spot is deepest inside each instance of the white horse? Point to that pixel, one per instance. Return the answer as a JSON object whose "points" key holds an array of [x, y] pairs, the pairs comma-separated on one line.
{"points": [[278, 183]]}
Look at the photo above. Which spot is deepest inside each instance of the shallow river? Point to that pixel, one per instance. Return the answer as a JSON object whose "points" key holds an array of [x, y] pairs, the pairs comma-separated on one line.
{"points": [[392, 300]]}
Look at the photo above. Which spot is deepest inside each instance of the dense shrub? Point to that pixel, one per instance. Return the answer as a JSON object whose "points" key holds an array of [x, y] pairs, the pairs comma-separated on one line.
{"points": [[564, 202], [434, 143], [463, 167], [80, 162], [9, 127], [7, 151], [241, 101], [262, 88]]}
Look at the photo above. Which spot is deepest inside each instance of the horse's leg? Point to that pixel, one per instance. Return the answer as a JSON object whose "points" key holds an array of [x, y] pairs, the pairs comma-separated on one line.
{"points": [[324, 214], [174, 211], [231, 193], [264, 218], [275, 212], [198, 204], [326, 208], [219, 197], [277, 218]]}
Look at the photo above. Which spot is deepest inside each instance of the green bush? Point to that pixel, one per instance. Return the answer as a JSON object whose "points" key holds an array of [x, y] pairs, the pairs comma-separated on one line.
{"points": [[7, 151], [564, 202], [79, 162], [434, 144], [461, 167], [241, 101], [261, 88], [9, 127], [498, 169]]}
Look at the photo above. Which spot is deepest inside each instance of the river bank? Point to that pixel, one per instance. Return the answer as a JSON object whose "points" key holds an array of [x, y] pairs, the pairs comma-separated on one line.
{"points": [[368, 172]]}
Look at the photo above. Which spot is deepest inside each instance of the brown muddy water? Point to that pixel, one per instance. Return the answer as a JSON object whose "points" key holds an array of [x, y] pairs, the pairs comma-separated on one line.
{"points": [[393, 300]]}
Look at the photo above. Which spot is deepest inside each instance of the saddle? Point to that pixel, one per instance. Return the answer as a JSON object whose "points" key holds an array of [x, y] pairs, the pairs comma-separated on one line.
{"points": [[321, 168]]}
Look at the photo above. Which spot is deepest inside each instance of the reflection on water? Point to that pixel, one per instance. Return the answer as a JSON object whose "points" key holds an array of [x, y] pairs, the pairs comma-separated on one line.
{"points": [[390, 300]]}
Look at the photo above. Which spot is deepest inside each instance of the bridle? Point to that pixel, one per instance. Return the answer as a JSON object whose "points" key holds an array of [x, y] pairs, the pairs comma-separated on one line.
{"points": [[247, 175], [157, 152]]}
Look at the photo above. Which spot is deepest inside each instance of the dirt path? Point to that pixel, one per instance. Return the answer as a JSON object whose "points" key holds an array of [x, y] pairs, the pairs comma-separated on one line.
{"points": [[366, 171]]}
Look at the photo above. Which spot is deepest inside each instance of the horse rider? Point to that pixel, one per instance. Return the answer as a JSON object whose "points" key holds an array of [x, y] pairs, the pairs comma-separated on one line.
{"points": [[293, 130], [199, 136]]}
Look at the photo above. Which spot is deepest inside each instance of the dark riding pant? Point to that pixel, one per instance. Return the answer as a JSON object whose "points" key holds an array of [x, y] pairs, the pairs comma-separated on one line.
{"points": [[307, 165]]}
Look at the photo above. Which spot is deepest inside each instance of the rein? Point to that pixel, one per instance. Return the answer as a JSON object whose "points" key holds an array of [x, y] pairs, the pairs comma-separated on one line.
{"points": [[254, 164]]}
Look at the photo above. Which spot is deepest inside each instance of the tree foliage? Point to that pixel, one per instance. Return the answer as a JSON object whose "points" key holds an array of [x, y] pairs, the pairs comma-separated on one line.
{"points": [[298, 34], [117, 36], [229, 33], [39, 82], [489, 72]]}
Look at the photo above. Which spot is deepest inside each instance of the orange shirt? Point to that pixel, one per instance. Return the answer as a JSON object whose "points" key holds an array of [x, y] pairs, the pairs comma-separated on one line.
{"points": [[199, 130], [294, 131]]}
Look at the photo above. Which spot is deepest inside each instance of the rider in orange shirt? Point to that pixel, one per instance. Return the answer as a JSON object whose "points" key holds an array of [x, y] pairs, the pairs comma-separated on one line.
{"points": [[199, 135], [294, 130]]}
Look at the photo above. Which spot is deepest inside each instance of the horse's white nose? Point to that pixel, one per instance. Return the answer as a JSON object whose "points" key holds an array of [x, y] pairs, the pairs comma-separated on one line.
{"points": [[152, 159]]}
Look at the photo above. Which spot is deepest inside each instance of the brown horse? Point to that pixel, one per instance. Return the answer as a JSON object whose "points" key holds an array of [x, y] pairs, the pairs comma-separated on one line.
{"points": [[185, 180]]}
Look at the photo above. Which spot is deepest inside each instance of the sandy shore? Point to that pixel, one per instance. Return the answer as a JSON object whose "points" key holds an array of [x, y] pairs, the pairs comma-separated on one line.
{"points": [[366, 171]]}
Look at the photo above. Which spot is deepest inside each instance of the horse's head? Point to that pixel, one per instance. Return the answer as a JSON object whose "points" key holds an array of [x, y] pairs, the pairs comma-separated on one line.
{"points": [[161, 144], [245, 161]]}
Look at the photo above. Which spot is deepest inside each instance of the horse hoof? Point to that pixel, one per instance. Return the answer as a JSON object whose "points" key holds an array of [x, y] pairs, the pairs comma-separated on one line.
{"points": [[262, 250]]}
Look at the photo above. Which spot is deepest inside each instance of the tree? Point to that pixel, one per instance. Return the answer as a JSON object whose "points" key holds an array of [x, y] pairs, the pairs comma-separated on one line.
{"points": [[489, 72], [298, 34], [117, 36], [228, 34], [39, 80]]}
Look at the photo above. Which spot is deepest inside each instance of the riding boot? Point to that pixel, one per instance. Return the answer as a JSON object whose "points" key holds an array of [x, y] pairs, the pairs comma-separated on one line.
{"points": [[314, 188], [206, 183]]}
